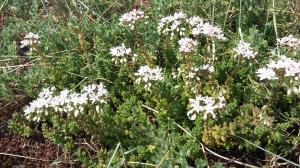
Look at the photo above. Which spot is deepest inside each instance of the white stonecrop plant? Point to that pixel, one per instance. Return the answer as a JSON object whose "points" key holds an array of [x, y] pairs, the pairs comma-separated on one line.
{"points": [[206, 105], [289, 41], [120, 54], [147, 75], [243, 49], [131, 18], [66, 101], [30, 40]]}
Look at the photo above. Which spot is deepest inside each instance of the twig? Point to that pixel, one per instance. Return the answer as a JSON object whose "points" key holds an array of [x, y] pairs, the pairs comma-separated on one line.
{"points": [[31, 158], [149, 108], [204, 153], [6, 60], [184, 130], [162, 160], [140, 163], [1, 7], [25, 157], [89, 145], [18, 66]]}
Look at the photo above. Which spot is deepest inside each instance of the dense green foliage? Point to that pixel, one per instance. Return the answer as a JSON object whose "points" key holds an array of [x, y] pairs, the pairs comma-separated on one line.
{"points": [[141, 128]]}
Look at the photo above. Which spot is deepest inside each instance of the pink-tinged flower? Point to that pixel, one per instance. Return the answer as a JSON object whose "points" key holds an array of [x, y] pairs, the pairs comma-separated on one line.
{"points": [[245, 50], [131, 18], [187, 45], [289, 41]]}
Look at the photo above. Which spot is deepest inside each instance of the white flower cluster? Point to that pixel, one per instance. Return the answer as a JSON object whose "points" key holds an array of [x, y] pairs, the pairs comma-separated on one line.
{"points": [[131, 18], [147, 75], [205, 104], [66, 101], [187, 45], [289, 41], [120, 53], [172, 24], [200, 27], [30, 40], [284, 65], [175, 24], [266, 73], [245, 50]]}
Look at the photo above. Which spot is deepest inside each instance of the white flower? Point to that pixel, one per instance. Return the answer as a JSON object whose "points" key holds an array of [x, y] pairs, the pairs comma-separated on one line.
{"points": [[187, 45], [95, 93], [47, 93], [131, 18], [147, 75], [266, 73], [289, 41], [205, 104], [191, 75], [196, 21], [120, 53], [200, 27], [30, 40], [291, 67], [245, 50], [171, 25], [212, 31]]}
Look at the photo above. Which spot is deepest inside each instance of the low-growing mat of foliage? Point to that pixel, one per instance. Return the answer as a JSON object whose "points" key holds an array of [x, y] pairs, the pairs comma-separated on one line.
{"points": [[156, 83]]}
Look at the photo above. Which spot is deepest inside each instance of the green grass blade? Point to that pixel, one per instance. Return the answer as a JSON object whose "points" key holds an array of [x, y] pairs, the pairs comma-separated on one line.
{"points": [[112, 157]]}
